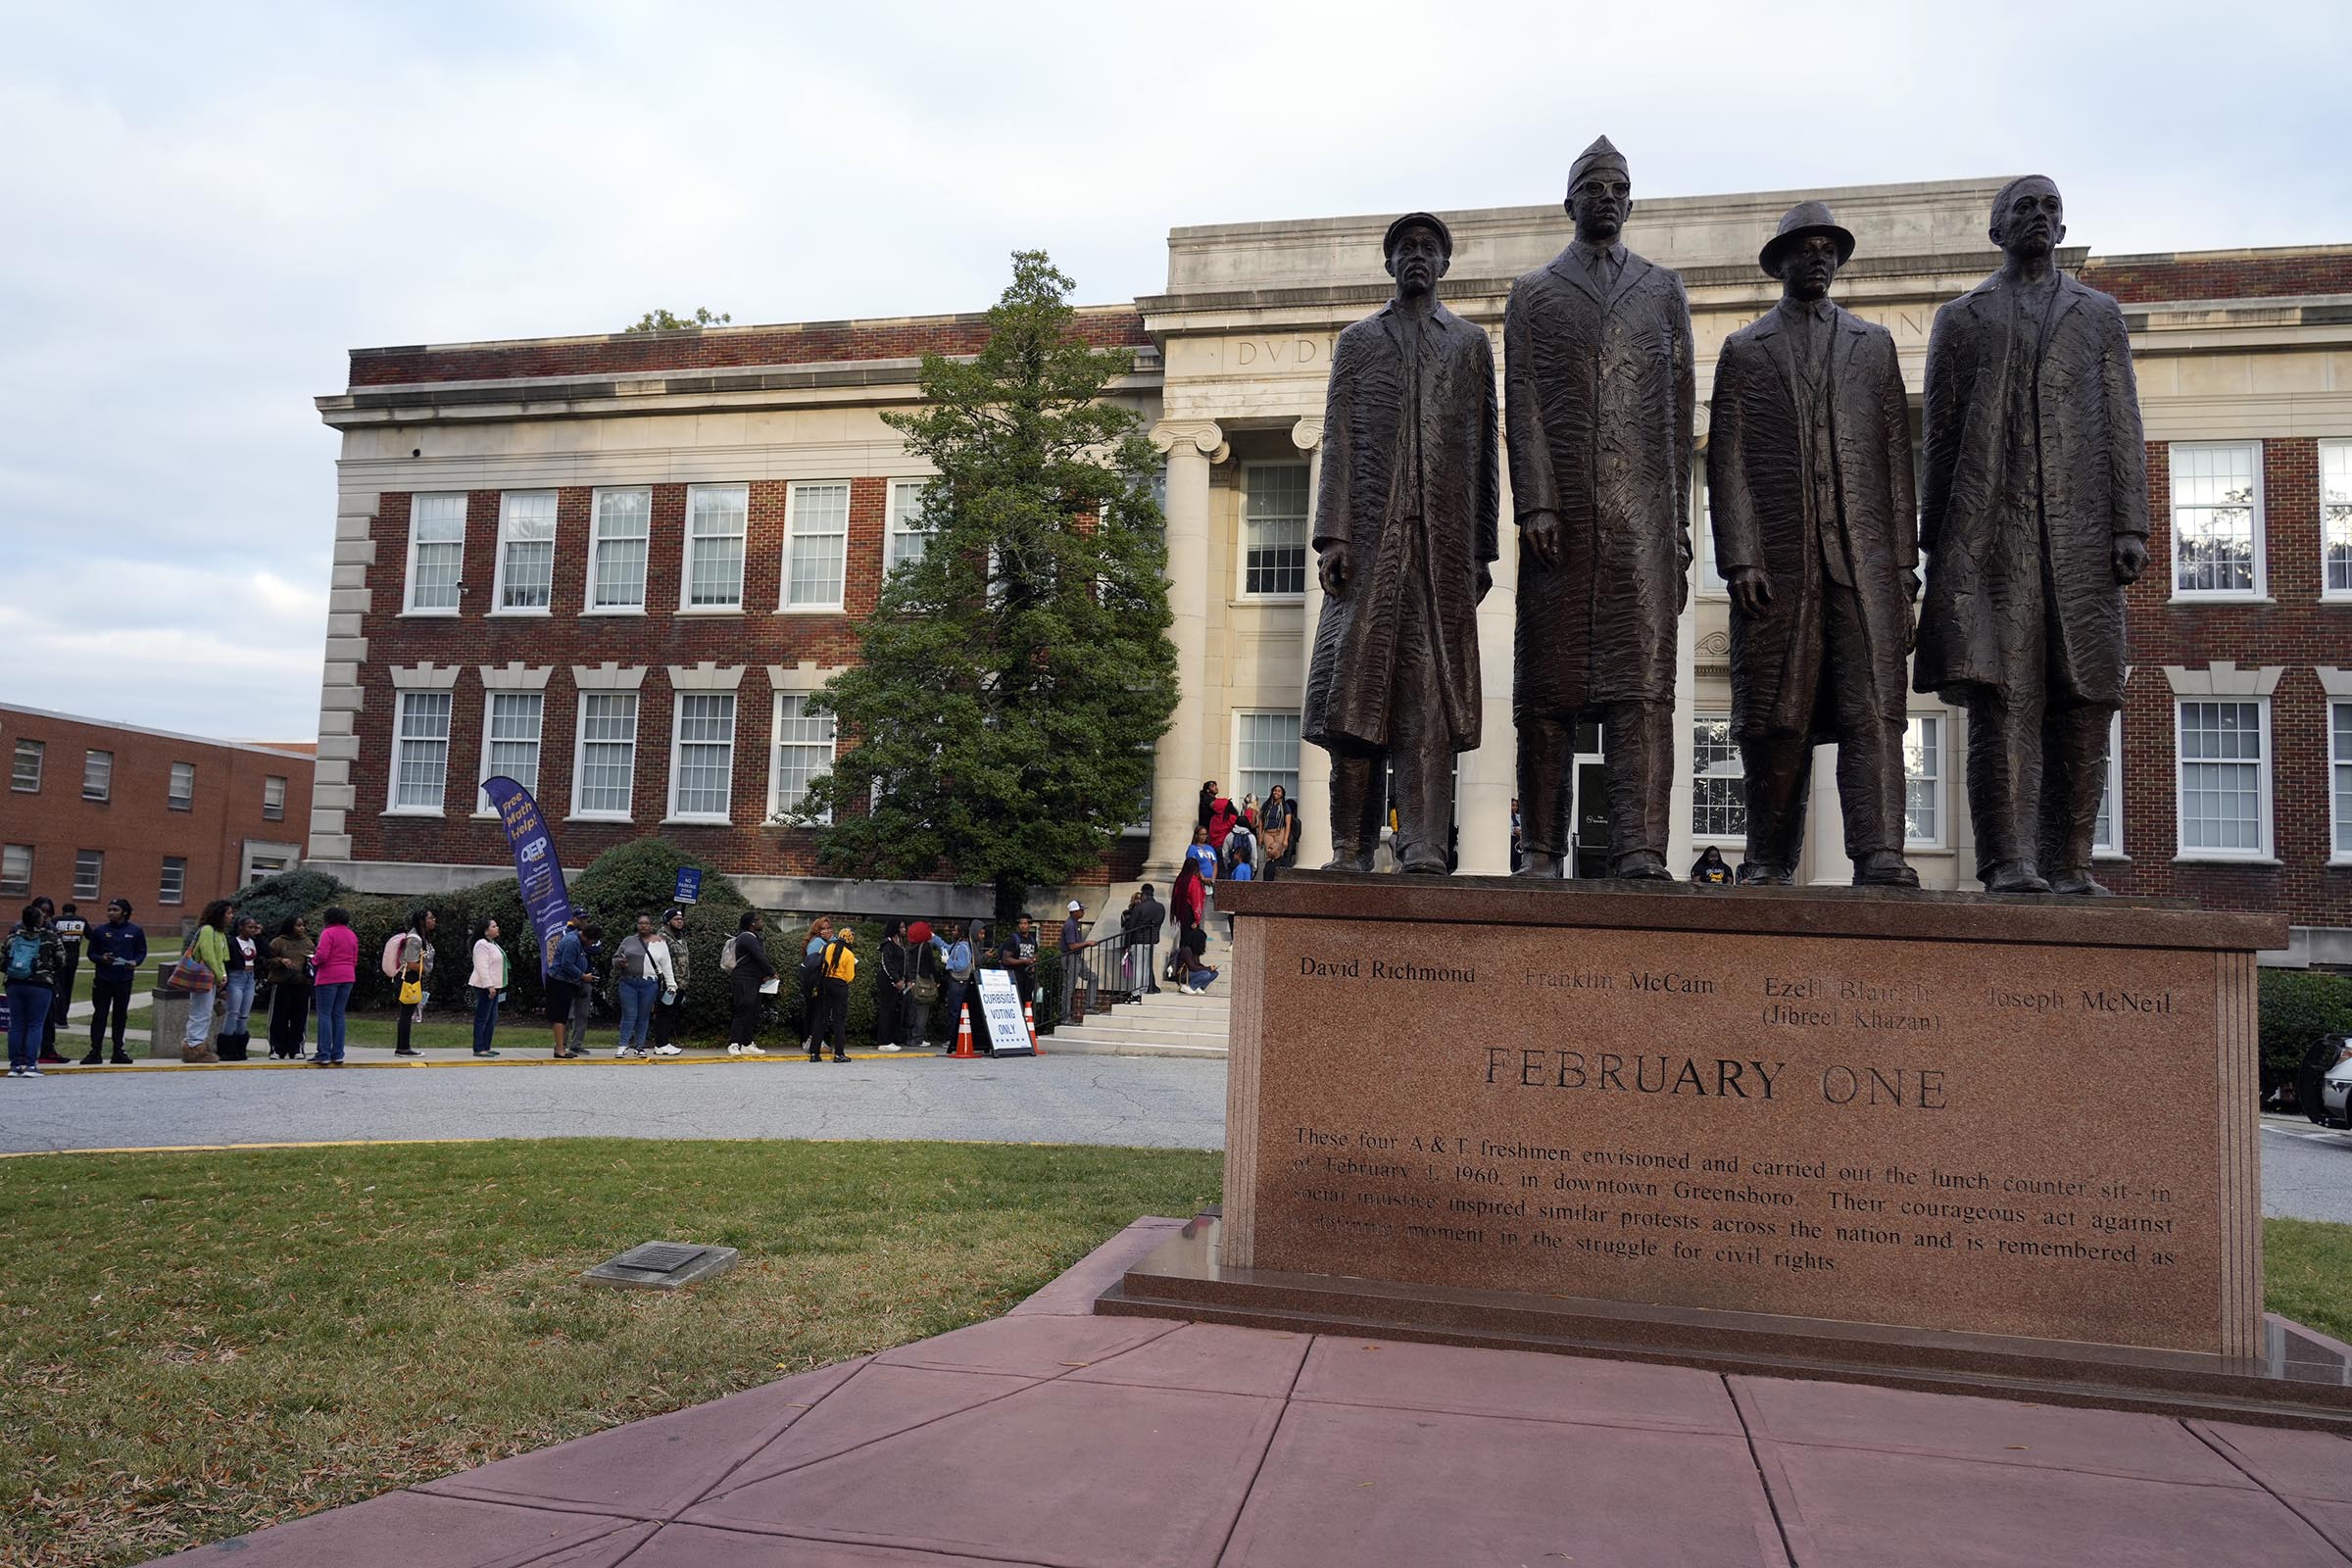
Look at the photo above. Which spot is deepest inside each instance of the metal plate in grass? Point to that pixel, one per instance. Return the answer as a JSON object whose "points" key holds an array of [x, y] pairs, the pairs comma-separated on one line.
{"points": [[662, 1265]]}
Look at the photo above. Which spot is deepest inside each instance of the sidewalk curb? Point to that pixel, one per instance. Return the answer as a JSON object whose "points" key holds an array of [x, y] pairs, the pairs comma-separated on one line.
{"points": [[77, 1071]]}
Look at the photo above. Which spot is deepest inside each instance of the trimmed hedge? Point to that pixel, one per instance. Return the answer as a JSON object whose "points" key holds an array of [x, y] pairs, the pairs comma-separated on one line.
{"points": [[2299, 1005]]}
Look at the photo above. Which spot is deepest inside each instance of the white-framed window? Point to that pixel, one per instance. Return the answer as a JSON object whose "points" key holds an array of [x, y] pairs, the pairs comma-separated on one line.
{"points": [[2339, 777], [89, 873], [603, 773], [1923, 780], [97, 775], [2225, 778], [182, 794], [717, 517], [804, 748], [816, 545], [173, 886], [1274, 531], [16, 869], [25, 770], [2107, 833], [1718, 781], [903, 536], [1141, 827], [620, 532], [2217, 519], [1710, 580], [510, 725], [419, 752], [1265, 752], [701, 756], [2335, 519], [526, 553], [274, 798], [436, 553]]}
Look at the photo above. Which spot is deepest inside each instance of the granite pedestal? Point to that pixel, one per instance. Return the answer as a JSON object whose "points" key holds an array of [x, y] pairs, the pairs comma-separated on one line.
{"points": [[1887, 1135]]}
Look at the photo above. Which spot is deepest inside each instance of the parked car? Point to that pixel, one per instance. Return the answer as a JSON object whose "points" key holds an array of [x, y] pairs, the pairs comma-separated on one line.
{"points": [[2324, 1086]]}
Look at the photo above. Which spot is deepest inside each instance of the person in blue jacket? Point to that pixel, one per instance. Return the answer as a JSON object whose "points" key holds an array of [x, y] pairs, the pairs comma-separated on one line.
{"points": [[117, 950], [567, 978]]}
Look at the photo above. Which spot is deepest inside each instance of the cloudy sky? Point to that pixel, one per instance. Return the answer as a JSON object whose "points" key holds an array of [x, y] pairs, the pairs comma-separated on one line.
{"points": [[208, 204]]}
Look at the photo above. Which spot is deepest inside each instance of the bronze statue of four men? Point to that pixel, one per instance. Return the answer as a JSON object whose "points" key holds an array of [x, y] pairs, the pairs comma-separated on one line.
{"points": [[2032, 515]]}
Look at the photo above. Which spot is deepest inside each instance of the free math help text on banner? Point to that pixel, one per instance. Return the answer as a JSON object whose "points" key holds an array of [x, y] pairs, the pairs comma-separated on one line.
{"points": [[536, 867]]}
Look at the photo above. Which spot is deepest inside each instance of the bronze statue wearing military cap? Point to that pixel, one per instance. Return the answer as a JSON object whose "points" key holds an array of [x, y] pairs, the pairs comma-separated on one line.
{"points": [[1406, 530], [1598, 401], [1809, 477]]}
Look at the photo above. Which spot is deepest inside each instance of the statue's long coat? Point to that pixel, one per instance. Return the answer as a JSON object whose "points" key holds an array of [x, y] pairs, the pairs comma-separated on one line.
{"points": [[1769, 512], [1371, 456], [1597, 401], [2093, 489]]}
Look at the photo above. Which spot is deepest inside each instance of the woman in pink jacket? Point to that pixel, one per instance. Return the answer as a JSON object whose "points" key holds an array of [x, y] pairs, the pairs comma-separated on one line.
{"points": [[338, 962]]}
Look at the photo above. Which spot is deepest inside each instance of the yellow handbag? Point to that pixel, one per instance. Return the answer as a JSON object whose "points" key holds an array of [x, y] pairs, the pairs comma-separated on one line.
{"points": [[412, 986]]}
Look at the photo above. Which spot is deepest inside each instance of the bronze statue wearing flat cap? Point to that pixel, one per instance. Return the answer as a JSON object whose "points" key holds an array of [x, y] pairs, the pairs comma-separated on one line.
{"points": [[1816, 535], [1599, 400], [1406, 530], [2033, 513]]}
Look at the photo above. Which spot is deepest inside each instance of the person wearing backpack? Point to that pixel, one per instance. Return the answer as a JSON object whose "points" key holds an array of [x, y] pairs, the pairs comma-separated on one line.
{"points": [[71, 928], [750, 980], [813, 979], [33, 958], [840, 961], [408, 963]]}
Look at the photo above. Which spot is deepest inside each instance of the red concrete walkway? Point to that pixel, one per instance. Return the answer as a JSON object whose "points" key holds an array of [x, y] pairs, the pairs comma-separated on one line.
{"points": [[1051, 1437]]}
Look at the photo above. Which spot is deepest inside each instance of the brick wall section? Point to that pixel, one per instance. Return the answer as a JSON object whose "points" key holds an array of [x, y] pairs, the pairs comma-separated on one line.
{"points": [[653, 641], [712, 348], [135, 827], [2296, 633], [2222, 276]]}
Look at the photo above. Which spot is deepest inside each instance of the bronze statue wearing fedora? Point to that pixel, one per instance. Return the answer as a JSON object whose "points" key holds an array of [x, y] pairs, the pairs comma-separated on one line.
{"points": [[2033, 511], [1816, 536], [1599, 400], [1406, 531]]}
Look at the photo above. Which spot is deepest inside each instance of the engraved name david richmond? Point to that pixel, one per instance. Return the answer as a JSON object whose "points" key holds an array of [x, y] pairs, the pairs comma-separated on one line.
{"points": [[1389, 969]]}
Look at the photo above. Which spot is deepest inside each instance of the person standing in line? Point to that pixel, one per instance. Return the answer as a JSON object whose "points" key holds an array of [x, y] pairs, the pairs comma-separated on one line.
{"points": [[1017, 957], [1188, 901], [1073, 943], [337, 968], [672, 1003], [811, 981], [642, 967], [71, 928], [244, 948], [208, 946], [409, 960], [890, 997], [488, 982], [31, 961], [1150, 919], [583, 1006], [961, 964], [566, 979], [840, 961], [750, 982], [117, 950], [289, 970], [1278, 832]]}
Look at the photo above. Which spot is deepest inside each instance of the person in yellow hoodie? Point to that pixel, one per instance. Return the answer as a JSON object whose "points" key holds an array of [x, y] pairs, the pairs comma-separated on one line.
{"points": [[839, 968]]}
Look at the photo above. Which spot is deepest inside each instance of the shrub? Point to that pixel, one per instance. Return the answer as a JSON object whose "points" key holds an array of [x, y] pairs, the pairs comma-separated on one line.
{"points": [[2297, 1006], [274, 899]]}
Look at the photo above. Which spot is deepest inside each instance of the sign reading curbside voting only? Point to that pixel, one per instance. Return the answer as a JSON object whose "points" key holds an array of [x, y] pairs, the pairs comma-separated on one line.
{"points": [[1001, 1010]]}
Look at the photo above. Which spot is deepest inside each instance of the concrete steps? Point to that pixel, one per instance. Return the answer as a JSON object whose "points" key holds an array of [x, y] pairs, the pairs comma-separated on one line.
{"points": [[1164, 1025]]}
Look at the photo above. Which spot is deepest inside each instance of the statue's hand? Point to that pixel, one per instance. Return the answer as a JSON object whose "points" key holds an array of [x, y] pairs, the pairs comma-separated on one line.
{"points": [[1751, 589], [2130, 559], [1337, 567], [1540, 538], [1486, 581]]}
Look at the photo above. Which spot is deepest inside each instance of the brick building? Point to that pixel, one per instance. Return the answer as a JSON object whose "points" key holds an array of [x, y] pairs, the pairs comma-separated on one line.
{"points": [[616, 566], [96, 811]]}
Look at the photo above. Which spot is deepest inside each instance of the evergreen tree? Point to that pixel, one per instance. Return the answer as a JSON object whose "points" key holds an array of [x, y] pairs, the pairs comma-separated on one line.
{"points": [[998, 724]]}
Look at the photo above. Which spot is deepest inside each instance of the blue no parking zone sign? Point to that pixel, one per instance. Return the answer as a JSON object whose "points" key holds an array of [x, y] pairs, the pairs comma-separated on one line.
{"points": [[690, 885]]}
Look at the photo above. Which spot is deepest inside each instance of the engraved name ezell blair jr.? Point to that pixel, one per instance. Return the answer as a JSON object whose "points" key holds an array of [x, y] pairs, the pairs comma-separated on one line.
{"points": [[1816, 534], [2035, 517], [1599, 396], [1405, 529]]}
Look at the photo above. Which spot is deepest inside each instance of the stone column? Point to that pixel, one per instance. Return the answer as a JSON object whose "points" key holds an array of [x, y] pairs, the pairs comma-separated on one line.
{"points": [[1191, 446], [1314, 762], [1489, 777]]}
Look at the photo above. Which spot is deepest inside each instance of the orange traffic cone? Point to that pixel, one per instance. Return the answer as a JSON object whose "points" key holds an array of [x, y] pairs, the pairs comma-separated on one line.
{"points": [[1029, 1017], [963, 1051]]}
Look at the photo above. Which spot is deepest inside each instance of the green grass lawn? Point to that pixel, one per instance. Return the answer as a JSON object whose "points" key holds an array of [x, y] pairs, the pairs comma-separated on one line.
{"points": [[194, 1346], [2307, 1273]]}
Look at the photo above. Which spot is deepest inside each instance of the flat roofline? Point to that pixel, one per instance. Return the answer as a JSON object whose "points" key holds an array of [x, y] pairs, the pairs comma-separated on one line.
{"points": [[685, 334], [162, 734]]}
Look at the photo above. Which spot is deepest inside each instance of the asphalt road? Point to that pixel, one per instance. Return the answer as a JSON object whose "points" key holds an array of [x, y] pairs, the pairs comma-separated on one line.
{"points": [[2306, 1171], [1062, 1099]]}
